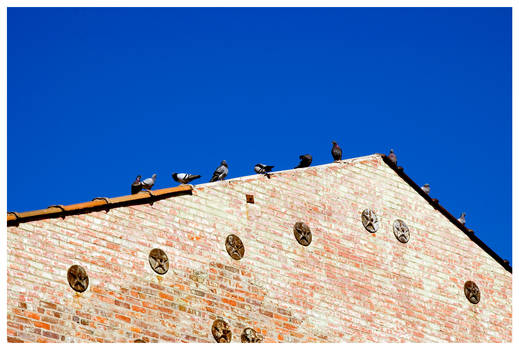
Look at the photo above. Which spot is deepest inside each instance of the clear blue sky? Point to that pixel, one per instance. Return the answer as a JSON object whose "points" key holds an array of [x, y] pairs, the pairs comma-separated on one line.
{"points": [[97, 96]]}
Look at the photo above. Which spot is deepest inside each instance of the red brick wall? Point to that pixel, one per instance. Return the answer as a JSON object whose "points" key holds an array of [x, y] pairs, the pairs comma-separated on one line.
{"points": [[348, 285]]}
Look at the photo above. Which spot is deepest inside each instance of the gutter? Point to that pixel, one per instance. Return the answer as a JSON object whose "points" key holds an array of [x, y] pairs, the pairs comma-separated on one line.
{"points": [[97, 204]]}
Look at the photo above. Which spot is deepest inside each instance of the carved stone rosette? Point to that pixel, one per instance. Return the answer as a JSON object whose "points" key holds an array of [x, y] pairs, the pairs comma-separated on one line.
{"points": [[370, 220], [249, 335], [77, 278], [159, 261], [472, 292], [235, 247], [302, 233], [401, 231], [221, 331]]}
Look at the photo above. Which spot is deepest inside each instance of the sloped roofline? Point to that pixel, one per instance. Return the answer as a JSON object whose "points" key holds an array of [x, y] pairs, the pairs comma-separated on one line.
{"points": [[436, 204], [103, 203]]}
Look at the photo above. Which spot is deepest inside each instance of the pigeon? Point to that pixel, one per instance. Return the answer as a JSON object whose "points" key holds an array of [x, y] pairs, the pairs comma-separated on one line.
{"points": [[137, 185], [306, 160], [263, 169], [392, 156], [462, 218], [336, 152], [184, 178], [148, 183], [221, 172], [426, 188]]}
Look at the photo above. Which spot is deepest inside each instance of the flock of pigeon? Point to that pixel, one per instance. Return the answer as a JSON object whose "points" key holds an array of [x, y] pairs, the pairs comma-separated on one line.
{"points": [[221, 172]]}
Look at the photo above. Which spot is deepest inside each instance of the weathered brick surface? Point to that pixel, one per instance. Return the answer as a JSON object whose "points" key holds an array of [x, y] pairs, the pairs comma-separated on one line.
{"points": [[348, 285]]}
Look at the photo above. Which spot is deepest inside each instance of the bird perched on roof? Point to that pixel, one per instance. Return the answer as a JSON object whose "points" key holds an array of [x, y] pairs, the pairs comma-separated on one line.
{"points": [[221, 172], [263, 169], [462, 218], [392, 156], [426, 188], [148, 183], [306, 160], [336, 152], [137, 185], [184, 178]]}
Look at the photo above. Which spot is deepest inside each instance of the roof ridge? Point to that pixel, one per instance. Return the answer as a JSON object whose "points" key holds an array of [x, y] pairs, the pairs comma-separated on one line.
{"points": [[103, 203]]}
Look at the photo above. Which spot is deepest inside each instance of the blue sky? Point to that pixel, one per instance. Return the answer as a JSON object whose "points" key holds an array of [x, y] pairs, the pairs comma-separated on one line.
{"points": [[98, 95]]}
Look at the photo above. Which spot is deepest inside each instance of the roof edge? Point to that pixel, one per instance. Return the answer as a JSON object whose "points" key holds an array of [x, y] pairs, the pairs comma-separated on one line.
{"points": [[436, 204], [97, 204]]}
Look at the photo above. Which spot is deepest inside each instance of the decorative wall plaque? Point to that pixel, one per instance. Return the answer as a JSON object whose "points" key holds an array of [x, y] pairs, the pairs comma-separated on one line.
{"points": [[472, 292], [370, 220], [221, 331], [249, 335], [234, 247], [159, 261], [77, 278], [401, 231], [302, 233]]}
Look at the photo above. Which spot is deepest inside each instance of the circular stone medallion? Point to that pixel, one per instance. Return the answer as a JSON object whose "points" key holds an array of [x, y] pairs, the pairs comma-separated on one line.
{"points": [[159, 261], [249, 335], [370, 220], [302, 233], [77, 278], [472, 292], [234, 247], [401, 231], [221, 331]]}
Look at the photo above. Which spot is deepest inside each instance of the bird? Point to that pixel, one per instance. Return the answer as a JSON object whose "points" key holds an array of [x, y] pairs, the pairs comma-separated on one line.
{"points": [[184, 178], [462, 218], [306, 160], [426, 188], [336, 152], [392, 156], [263, 169], [221, 172], [148, 183], [137, 185]]}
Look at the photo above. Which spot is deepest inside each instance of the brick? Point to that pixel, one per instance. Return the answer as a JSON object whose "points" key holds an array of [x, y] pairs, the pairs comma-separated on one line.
{"points": [[348, 285]]}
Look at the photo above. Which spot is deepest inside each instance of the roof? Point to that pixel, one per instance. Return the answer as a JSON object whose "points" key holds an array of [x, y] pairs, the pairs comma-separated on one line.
{"points": [[97, 204], [103, 203]]}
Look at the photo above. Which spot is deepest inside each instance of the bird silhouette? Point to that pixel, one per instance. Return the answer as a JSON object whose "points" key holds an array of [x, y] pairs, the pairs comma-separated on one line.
{"points": [[306, 160], [137, 185], [221, 172], [184, 178], [336, 152]]}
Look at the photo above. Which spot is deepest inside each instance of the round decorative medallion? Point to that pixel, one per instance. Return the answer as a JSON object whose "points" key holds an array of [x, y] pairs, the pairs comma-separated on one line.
{"points": [[159, 261], [370, 220], [234, 247], [221, 331], [302, 233], [401, 231], [472, 292], [249, 335], [77, 278]]}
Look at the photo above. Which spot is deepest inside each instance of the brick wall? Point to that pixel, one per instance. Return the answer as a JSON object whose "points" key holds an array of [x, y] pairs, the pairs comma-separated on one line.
{"points": [[347, 285]]}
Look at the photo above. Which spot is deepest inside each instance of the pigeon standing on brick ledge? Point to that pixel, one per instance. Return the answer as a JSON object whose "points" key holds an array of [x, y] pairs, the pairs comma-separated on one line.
{"points": [[263, 169], [137, 185], [184, 178], [426, 188], [148, 183], [336, 152], [306, 160], [462, 218], [221, 172], [392, 156]]}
